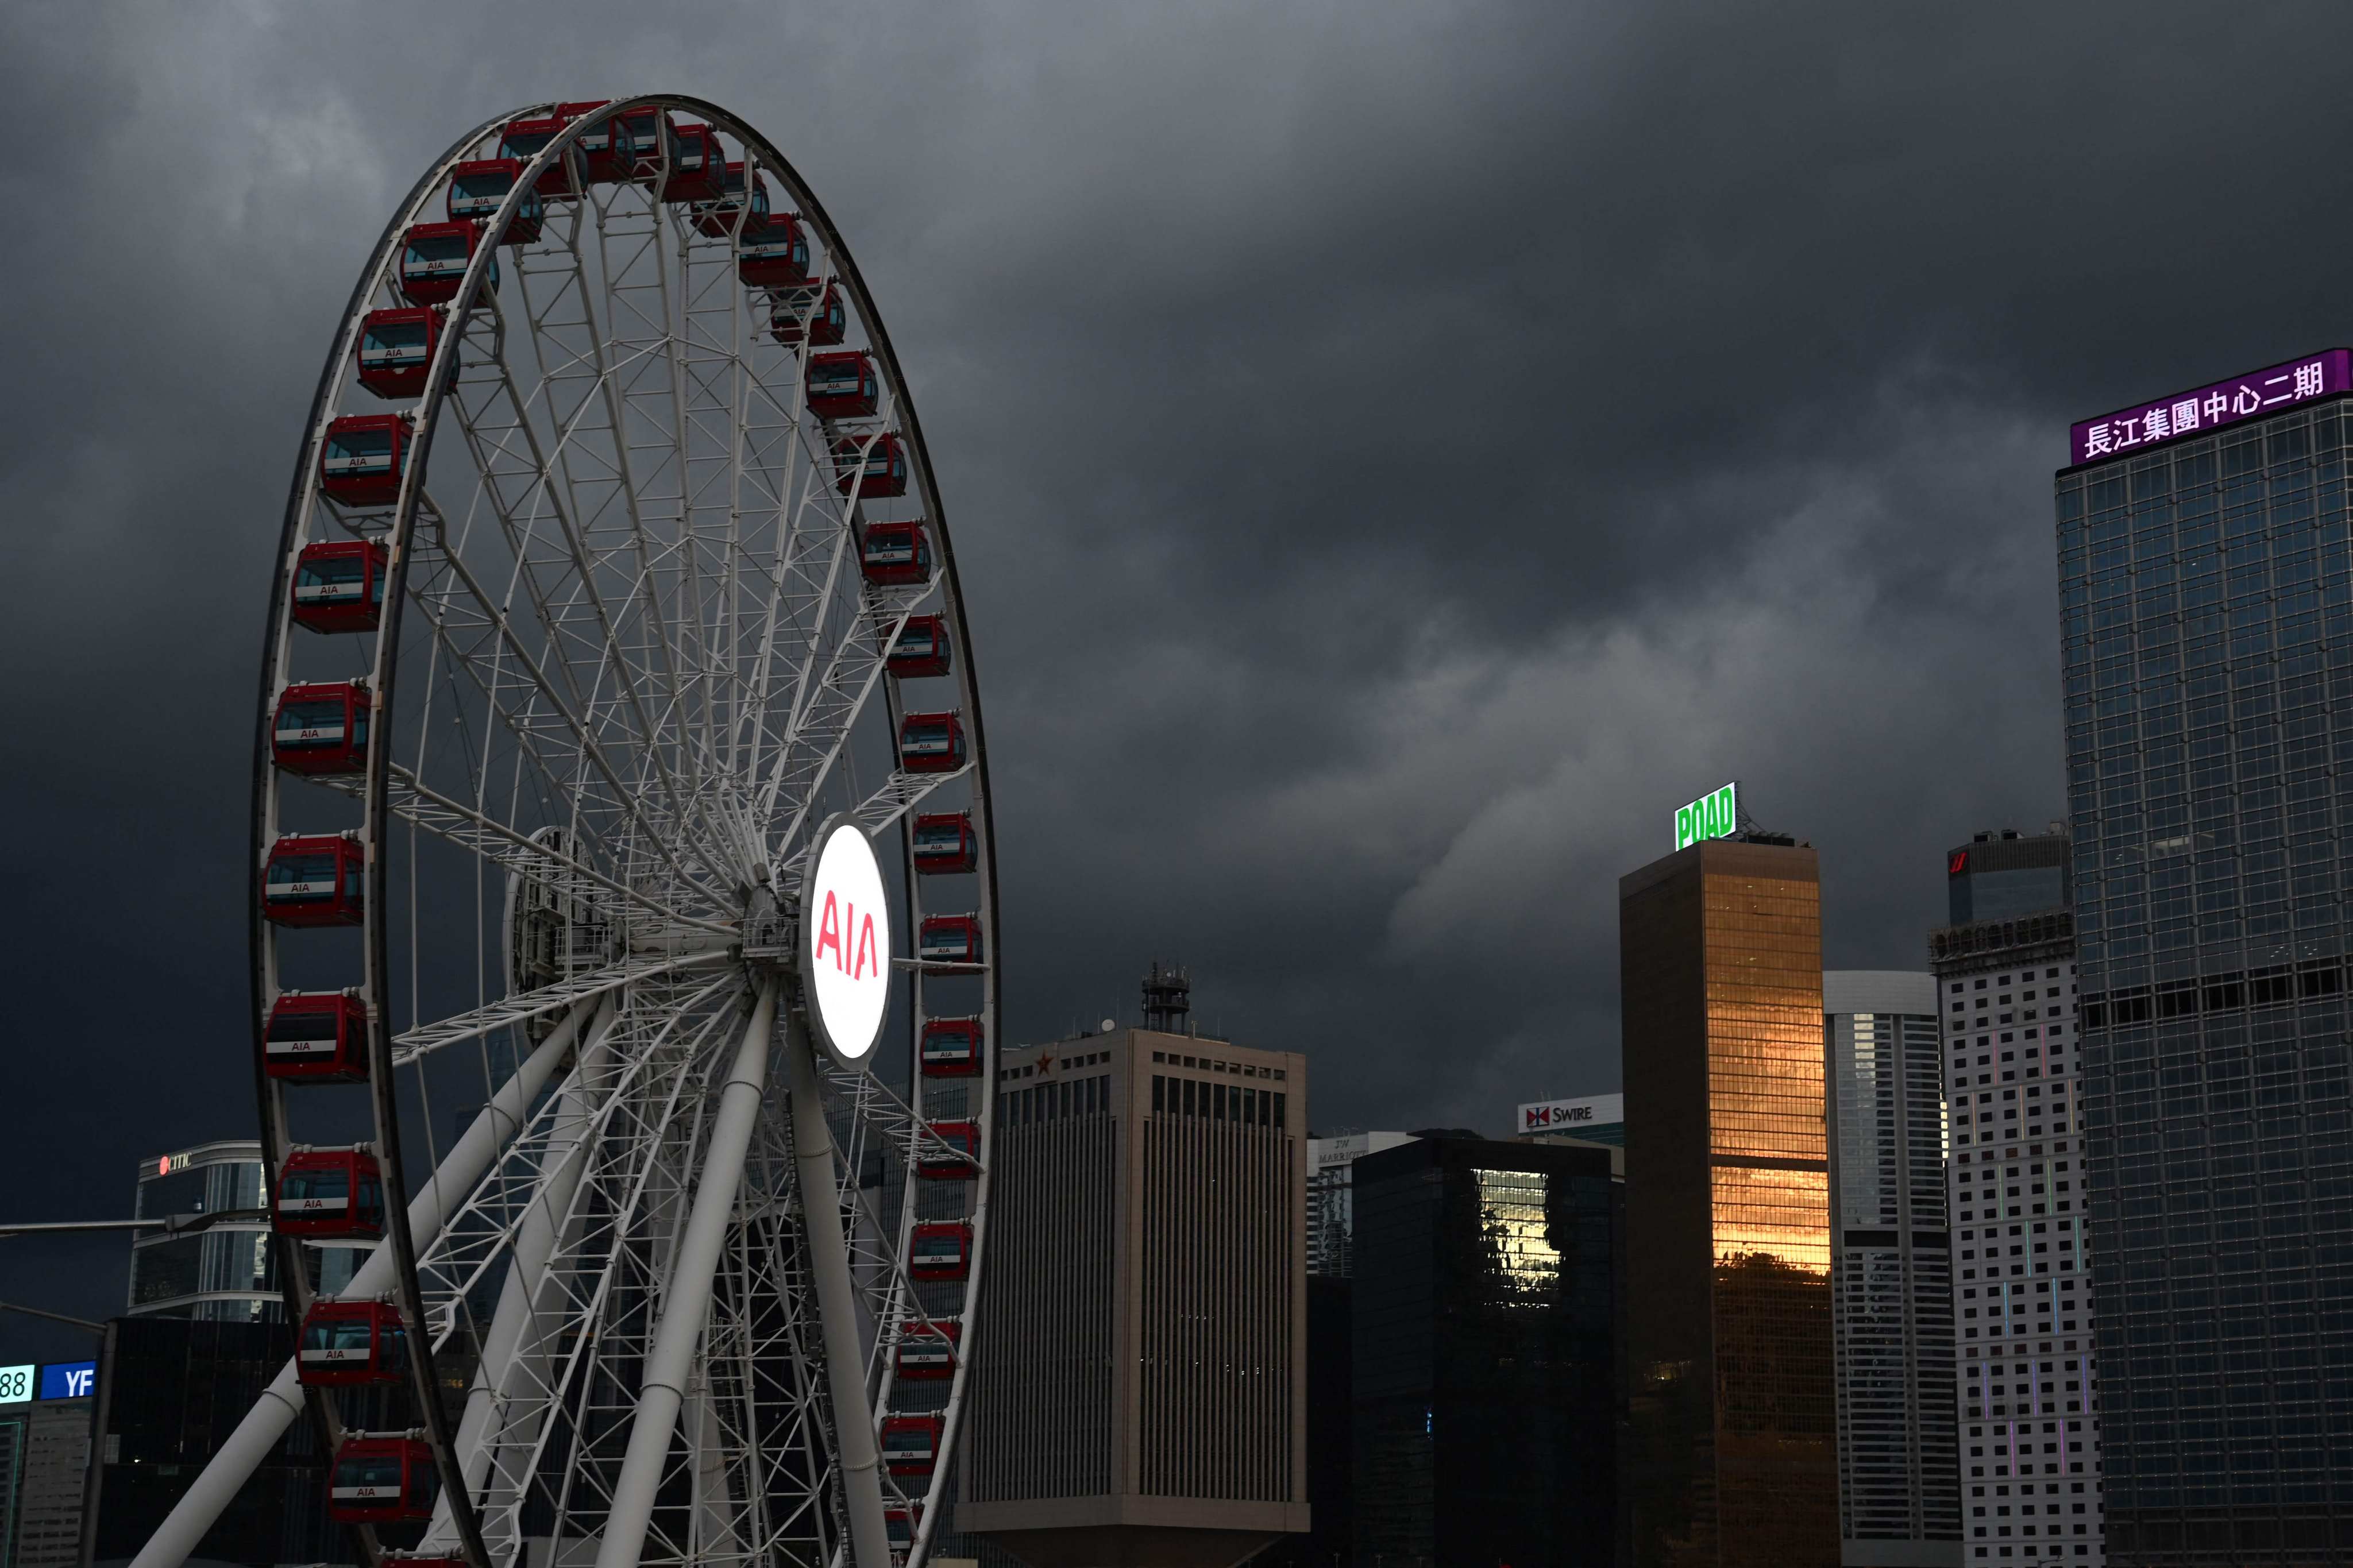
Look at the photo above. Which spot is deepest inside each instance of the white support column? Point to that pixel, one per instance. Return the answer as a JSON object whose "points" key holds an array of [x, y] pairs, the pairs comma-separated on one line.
{"points": [[686, 1304], [514, 1350], [460, 1173], [837, 1305]]}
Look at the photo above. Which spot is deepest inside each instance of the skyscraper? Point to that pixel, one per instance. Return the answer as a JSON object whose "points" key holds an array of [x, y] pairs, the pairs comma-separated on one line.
{"points": [[2026, 1358], [1891, 1273], [2206, 604], [1484, 1383], [1731, 1457], [226, 1272], [1140, 1393], [1331, 1205]]}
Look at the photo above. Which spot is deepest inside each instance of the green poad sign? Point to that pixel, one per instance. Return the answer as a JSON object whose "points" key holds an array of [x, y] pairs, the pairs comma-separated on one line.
{"points": [[1715, 815]]}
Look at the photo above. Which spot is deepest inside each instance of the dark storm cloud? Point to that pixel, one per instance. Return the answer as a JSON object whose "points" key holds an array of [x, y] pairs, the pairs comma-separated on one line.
{"points": [[1396, 452]]}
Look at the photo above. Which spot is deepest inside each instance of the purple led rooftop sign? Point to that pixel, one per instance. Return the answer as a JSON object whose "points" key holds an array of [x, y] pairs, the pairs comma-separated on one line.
{"points": [[2324, 375]]}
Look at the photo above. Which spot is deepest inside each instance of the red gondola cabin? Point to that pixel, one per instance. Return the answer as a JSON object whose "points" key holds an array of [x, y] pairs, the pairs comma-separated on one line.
{"points": [[626, 146], [434, 258], [360, 460], [927, 1351], [946, 843], [338, 586], [315, 880], [940, 1250], [773, 253], [921, 648], [347, 1344], [896, 554], [952, 1048], [479, 187], [697, 166], [910, 1444], [843, 385], [899, 1525], [875, 470], [319, 1035], [717, 215], [330, 1192], [383, 1480], [958, 1161], [320, 728], [525, 139], [809, 309], [950, 938], [397, 347], [931, 742]]}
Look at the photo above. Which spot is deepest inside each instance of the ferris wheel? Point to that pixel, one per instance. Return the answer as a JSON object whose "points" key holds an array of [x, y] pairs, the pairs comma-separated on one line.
{"points": [[631, 1172]]}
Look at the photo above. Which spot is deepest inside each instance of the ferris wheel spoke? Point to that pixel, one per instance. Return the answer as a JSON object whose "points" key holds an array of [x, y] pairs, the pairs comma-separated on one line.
{"points": [[516, 479], [424, 1040], [591, 749], [600, 1256], [814, 745]]}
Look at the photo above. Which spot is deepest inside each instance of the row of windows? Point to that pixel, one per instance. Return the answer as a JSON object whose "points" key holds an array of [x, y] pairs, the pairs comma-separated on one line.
{"points": [[1045, 1064], [1210, 1064], [1218, 1101], [1088, 1096]]}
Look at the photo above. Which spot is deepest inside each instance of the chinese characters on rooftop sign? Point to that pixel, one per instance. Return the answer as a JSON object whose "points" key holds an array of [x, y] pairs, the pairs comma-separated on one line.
{"points": [[1715, 815], [2322, 374]]}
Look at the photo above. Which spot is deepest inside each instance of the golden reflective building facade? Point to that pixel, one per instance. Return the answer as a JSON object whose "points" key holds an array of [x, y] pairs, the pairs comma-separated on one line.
{"points": [[1731, 1442]]}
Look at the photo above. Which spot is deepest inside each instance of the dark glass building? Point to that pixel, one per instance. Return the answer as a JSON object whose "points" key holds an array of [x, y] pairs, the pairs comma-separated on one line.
{"points": [[1732, 1438], [2206, 592], [1485, 1367], [170, 1391]]}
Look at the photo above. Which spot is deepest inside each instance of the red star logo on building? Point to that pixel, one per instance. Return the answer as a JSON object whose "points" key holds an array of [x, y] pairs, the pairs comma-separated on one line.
{"points": [[1045, 1063]]}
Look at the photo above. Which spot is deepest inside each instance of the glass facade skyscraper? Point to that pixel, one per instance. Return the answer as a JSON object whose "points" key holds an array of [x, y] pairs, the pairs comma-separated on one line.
{"points": [[1891, 1273], [2206, 591], [1732, 1420], [1484, 1378]]}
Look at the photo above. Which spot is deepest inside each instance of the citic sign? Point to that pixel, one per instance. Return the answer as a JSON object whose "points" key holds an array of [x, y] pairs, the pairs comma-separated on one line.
{"points": [[845, 947]]}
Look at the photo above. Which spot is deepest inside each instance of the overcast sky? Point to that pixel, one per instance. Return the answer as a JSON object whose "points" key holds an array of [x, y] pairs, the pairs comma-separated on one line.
{"points": [[1396, 452]]}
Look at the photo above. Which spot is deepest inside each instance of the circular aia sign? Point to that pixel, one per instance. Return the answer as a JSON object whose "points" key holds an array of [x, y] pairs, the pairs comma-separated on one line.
{"points": [[846, 944]]}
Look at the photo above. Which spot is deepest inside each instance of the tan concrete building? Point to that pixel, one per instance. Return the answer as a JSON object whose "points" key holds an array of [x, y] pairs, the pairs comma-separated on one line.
{"points": [[1139, 1382]]}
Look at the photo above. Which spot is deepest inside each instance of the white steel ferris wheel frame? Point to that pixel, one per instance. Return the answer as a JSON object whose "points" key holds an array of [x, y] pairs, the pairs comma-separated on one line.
{"points": [[637, 1148]]}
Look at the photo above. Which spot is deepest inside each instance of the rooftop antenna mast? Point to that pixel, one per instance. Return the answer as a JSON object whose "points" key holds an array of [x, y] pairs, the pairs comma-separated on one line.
{"points": [[1167, 999]]}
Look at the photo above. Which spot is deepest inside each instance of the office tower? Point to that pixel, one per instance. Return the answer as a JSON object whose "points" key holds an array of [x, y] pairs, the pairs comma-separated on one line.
{"points": [[2026, 1355], [1891, 1273], [169, 1392], [44, 1432], [226, 1272], [1732, 1456], [1331, 1222], [2204, 567], [1138, 1396], [1485, 1376]]}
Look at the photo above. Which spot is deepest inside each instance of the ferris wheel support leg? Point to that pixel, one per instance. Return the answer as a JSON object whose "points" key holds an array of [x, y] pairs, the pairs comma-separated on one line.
{"points": [[837, 1303], [514, 1349], [235, 1462], [686, 1304]]}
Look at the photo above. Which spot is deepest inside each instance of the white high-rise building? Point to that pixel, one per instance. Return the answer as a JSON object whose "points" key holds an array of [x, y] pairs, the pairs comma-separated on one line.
{"points": [[1331, 1197], [1891, 1273], [2029, 1420]]}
